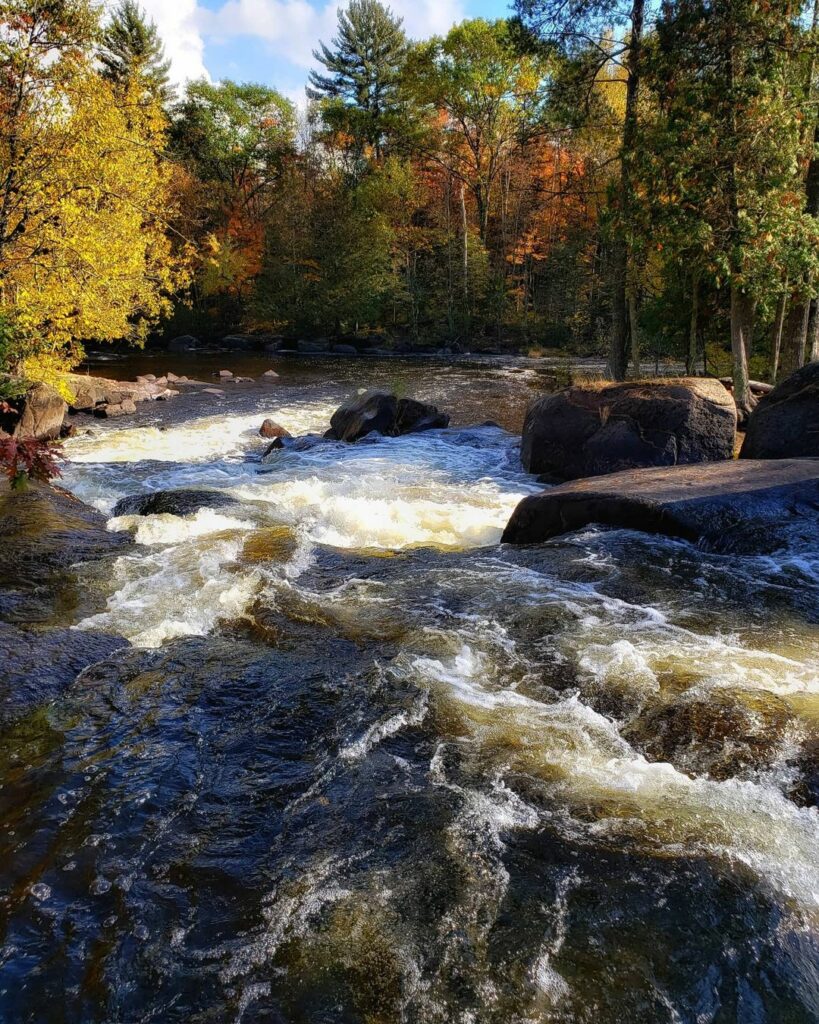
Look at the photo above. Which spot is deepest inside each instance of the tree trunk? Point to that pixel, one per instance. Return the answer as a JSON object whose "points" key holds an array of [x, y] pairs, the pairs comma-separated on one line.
{"points": [[794, 335], [813, 332], [618, 354], [779, 324], [622, 257], [634, 332], [742, 317], [691, 358]]}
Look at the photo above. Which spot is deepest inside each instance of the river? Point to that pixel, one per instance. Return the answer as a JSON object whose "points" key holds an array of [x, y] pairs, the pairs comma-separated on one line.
{"points": [[363, 764]]}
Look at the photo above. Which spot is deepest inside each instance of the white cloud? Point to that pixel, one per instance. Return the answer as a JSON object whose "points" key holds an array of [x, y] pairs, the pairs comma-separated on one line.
{"points": [[290, 29], [176, 21]]}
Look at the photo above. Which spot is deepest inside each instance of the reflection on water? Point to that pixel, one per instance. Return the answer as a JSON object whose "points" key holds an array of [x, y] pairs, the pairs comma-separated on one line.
{"points": [[362, 764]]}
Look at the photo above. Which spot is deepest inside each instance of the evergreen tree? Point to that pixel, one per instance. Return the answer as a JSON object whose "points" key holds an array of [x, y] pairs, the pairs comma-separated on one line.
{"points": [[132, 53], [360, 91]]}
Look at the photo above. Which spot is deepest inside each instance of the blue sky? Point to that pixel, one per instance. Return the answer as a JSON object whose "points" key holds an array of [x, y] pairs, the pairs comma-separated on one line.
{"points": [[271, 41]]}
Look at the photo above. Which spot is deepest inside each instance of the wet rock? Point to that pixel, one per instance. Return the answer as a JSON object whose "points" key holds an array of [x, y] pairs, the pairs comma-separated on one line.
{"points": [[39, 664], [43, 532], [270, 373], [124, 408], [270, 429], [181, 502], [747, 506], [589, 430], [224, 374], [363, 414], [296, 444], [412, 417], [345, 350], [722, 734], [785, 423], [212, 391], [38, 414], [185, 343], [383, 413]]}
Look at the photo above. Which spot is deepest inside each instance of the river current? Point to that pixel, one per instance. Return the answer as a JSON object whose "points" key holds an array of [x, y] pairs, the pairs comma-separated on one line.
{"points": [[363, 764]]}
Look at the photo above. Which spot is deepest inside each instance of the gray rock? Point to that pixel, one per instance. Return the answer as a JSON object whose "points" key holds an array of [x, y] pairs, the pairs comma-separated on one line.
{"points": [[242, 342], [181, 502], [785, 423], [37, 414], [381, 412], [317, 347], [112, 409], [742, 506], [589, 430], [345, 350]]}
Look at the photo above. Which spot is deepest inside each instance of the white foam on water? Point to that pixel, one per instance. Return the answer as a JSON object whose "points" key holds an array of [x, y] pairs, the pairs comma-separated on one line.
{"points": [[173, 592], [749, 824], [171, 529]]}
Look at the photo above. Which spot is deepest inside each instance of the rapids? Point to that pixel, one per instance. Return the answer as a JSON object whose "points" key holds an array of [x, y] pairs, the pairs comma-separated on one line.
{"points": [[362, 764]]}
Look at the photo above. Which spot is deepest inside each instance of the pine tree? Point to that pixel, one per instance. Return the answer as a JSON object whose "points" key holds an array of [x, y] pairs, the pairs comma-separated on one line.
{"points": [[132, 52], [360, 91]]}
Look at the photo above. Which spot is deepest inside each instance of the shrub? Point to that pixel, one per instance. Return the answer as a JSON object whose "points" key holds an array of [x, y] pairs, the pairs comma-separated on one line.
{"points": [[29, 459]]}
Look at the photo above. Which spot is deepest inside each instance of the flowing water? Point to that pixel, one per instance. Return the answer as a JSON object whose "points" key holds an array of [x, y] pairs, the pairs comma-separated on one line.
{"points": [[363, 764]]}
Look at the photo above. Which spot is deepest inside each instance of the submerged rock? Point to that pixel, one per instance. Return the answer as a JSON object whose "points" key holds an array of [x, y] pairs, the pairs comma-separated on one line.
{"points": [[590, 429], [749, 506], [181, 502], [785, 423], [381, 412], [721, 734], [38, 414]]}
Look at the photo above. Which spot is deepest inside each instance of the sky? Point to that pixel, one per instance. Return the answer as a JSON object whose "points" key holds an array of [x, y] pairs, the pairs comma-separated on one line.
{"points": [[271, 41]]}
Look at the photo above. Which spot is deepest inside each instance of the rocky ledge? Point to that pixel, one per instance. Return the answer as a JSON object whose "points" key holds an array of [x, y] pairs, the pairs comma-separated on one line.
{"points": [[750, 506], [44, 534]]}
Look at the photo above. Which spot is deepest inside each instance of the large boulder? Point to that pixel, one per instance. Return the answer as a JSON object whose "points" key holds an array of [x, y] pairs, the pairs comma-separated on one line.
{"points": [[748, 506], [91, 393], [39, 414], [591, 429], [785, 423], [382, 412], [363, 414], [181, 502]]}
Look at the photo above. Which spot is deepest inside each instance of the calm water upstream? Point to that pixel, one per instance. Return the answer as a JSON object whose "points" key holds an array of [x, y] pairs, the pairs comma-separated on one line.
{"points": [[362, 764]]}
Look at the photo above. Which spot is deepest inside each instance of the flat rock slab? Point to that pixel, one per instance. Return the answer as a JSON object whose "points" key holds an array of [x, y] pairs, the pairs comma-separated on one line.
{"points": [[745, 507]]}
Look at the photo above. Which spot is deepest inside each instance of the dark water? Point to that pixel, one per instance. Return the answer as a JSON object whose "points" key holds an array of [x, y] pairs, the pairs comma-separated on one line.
{"points": [[362, 764]]}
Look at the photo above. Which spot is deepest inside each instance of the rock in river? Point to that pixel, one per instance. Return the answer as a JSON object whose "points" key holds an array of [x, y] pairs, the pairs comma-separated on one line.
{"points": [[747, 506], [591, 429], [384, 413], [785, 424], [181, 502], [270, 429]]}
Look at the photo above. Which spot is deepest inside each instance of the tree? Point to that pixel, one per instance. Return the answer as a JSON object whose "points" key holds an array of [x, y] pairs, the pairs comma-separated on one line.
{"points": [[491, 101], [360, 92], [582, 26], [132, 54], [235, 142], [84, 199], [729, 150]]}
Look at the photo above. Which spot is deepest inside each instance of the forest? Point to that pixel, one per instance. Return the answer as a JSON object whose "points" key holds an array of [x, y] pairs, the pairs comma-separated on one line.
{"points": [[640, 183]]}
